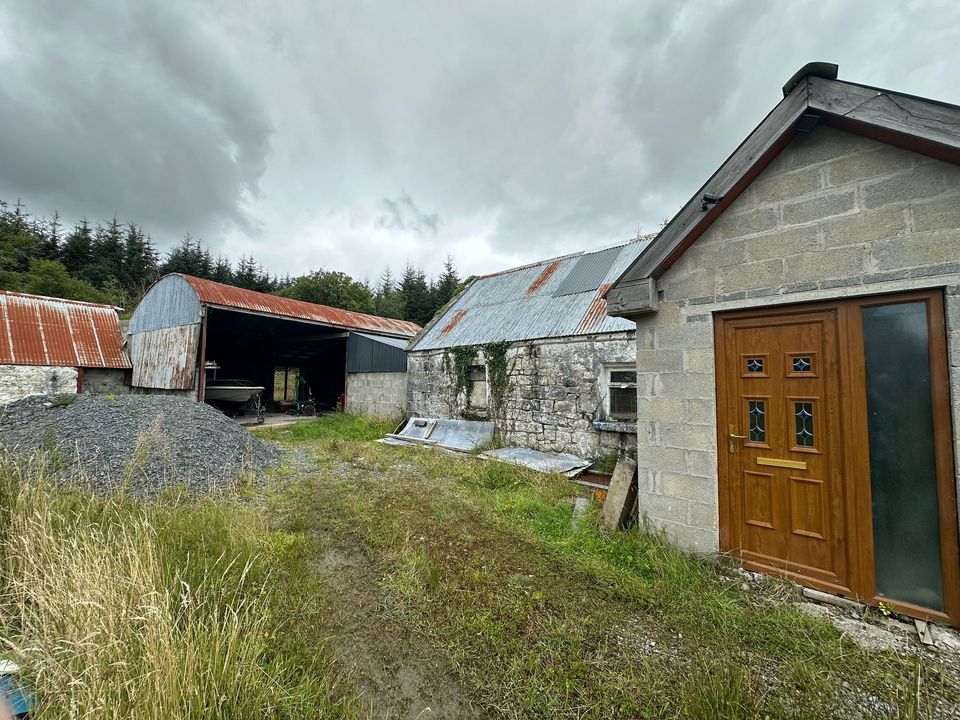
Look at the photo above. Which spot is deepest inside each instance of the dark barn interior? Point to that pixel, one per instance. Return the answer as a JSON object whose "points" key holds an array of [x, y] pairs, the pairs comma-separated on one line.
{"points": [[272, 351]]}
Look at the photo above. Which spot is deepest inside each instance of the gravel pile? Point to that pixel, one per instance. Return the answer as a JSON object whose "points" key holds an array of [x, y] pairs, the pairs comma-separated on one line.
{"points": [[144, 442]]}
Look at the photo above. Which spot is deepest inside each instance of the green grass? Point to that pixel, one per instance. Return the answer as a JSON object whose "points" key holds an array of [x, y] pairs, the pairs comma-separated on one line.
{"points": [[342, 426], [217, 606], [544, 619], [183, 608]]}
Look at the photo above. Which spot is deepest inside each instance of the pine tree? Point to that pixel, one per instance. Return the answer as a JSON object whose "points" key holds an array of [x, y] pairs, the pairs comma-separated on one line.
{"points": [[416, 295], [77, 251], [446, 285]]}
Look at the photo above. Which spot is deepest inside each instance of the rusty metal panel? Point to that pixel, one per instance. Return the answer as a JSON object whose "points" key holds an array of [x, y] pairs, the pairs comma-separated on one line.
{"points": [[37, 330], [552, 298], [165, 358], [226, 296]]}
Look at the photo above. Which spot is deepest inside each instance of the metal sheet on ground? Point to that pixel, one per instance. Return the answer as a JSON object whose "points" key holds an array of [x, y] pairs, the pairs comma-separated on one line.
{"points": [[564, 463], [461, 435]]}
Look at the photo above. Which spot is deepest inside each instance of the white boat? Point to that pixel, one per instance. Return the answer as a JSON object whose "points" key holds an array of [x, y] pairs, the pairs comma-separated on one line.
{"points": [[235, 391]]}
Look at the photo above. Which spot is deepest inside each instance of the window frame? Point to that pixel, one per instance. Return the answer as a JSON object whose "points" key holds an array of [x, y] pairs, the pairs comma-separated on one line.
{"points": [[610, 385]]}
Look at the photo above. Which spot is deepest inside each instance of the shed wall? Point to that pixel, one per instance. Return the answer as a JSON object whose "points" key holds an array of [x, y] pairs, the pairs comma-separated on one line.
{"points": [[381, 394], [20, 381], [834, 215], [165, 359], [555, 395]]}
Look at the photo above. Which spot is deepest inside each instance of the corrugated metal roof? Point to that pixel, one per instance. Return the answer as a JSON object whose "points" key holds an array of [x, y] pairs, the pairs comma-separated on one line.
{"points": [[524, 304], [226, 296], [38, 330]]}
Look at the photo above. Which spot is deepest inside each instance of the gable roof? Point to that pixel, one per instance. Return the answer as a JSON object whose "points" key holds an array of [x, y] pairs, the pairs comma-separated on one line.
{"points": [[558, 297], [39, 330], [813, 95]]}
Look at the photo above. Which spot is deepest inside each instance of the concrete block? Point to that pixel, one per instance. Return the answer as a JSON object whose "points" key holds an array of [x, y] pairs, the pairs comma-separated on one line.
{"points": [[811, 267], [685, 487], [698, 360], [764, 273], [885, 160], [863, 227], [663, 509], [738, 224], [662, 458], [818, 207], [923, 183], [684, 435], [918, 249], [781, 243], [790, 185], [664, 359], [684, 385], [699, 411], [704, 515], [941, 213]]}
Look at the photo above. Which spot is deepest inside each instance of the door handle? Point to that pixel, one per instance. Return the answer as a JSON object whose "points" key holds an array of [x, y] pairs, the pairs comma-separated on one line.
{"points": [[732, 435]]}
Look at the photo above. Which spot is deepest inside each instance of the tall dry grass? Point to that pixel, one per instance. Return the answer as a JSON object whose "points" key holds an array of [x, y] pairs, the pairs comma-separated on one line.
{"points": [[105, 626]]}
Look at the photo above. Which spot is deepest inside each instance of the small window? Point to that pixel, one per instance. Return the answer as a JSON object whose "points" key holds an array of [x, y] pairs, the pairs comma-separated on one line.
{"points": [[478, 386], [285, 383], [622, 394], [755, 365], [803, 416]]}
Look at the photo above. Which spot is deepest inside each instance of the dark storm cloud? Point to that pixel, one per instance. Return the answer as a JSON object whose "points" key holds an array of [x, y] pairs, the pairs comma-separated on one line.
{"points": [[532, 129], [131, 109]]}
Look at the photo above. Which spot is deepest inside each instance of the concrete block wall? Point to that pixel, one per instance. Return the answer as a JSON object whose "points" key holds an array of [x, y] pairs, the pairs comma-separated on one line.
{"points": [[379, 394], [556, 393], [20, 381], [101, 381], [834, 215]]}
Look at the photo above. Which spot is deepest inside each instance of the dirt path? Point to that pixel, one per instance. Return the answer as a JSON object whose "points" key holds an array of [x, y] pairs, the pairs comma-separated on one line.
{"points": [[400, 675]]}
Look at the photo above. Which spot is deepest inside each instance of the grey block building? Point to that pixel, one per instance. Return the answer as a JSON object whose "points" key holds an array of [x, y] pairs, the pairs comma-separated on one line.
{"points": [[532, 349], [798, 349]]}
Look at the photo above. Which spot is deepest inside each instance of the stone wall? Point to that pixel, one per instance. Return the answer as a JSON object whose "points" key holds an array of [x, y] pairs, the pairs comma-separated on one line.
{"points": [[835, 215], [555, 397], [19, 381], [101, 381], [382, 394]]}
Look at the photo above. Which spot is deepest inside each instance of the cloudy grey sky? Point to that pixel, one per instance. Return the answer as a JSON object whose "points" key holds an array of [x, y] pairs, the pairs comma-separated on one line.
{"points": [[355, 135]]}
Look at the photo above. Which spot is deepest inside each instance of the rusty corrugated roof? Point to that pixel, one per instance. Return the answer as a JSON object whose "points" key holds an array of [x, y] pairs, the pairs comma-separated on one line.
{"points": [[227, 296], [559, 297], [38, 330]]}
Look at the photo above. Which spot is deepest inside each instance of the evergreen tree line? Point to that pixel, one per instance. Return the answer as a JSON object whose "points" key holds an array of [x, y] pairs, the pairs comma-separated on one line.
{"points": [[115, 263]]}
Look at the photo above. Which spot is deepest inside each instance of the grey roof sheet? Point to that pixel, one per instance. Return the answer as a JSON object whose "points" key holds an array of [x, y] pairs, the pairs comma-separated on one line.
{"points": [[384, 340], [523, 304]]}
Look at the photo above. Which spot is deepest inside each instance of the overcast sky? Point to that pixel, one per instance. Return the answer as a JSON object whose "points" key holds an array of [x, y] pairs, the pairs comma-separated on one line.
{"points": [[354, 135]]}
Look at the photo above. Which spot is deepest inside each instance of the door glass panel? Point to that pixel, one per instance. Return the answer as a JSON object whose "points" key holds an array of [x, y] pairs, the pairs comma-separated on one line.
{"points": [[803, 418], [906, 524], [757, 421]]}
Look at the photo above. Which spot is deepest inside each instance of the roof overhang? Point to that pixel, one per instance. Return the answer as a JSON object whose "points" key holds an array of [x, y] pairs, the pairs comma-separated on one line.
{"points": [[813, 95]]}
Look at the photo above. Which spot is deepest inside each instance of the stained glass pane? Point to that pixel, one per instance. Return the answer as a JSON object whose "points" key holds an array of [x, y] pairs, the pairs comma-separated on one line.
{"points": [[803, 413], [802, 364], [757, 421], [755, 365]]}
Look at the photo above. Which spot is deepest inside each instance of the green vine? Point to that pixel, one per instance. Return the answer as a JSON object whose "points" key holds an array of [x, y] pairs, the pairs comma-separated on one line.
{"points": [[458, 361], [495, 354]]}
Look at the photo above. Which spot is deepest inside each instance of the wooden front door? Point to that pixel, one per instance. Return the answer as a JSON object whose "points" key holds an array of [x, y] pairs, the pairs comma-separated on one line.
{"points": [[836, 449]]}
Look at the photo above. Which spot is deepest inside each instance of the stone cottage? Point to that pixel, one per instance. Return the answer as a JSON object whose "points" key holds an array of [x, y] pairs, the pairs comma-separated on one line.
{"points": [[50, 346], [533, 350], [798, 349]]}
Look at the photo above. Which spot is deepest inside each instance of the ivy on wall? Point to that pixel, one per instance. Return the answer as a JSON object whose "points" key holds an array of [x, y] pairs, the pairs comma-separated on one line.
{"points": [[457, 362]]}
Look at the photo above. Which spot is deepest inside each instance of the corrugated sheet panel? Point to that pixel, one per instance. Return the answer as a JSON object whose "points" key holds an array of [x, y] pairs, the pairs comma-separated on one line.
{"points": [[213, 293], [170, 301], [36, 330], [370, 353], [165, 358], [588, 272], [525, 303]]}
